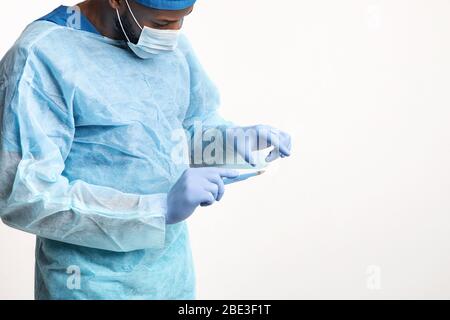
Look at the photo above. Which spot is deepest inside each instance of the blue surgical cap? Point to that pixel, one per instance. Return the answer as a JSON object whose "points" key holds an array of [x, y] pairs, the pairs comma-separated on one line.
{"points": [[167, 4]]}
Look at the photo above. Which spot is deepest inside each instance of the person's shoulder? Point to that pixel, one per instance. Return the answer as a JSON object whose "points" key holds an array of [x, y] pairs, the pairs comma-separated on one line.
{"points": [[33, 39], [35, 34], [184, 44]]}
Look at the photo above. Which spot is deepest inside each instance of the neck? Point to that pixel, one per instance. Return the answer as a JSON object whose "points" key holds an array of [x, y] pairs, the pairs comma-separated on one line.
{"points": [[102, 17]]}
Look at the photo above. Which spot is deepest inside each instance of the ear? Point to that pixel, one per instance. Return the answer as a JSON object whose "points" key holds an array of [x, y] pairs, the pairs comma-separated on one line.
{"points": [[115, 4]]}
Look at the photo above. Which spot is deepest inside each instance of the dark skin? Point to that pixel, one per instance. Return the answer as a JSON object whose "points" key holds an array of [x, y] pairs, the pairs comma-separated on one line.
{"points": [[102, 14]]}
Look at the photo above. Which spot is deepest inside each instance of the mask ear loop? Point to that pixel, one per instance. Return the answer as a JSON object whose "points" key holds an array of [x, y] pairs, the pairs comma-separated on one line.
{"points": [[132, 14], [121, 25]]}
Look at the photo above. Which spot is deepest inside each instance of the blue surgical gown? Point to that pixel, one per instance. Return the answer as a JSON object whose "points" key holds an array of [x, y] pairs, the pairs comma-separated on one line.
{"points": [[86, 140]]}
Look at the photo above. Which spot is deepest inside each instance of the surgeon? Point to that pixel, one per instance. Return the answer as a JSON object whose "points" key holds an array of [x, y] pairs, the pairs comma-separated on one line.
{"points": [[90, 97]]}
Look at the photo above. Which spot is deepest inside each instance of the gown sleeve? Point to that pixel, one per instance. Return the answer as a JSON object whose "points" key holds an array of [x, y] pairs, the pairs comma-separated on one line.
{"points": [[36, 132], [204, 95], [204, 110]]}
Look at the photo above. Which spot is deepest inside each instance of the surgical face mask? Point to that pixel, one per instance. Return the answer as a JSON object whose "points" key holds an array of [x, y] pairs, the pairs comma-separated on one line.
{"points": [[151, 41]]}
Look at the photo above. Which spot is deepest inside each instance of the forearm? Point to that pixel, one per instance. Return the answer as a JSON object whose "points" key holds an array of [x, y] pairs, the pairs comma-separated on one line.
{"points": [[46, 204]]}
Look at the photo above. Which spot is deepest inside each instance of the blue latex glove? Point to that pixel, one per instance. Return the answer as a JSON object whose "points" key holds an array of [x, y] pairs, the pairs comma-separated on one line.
{"points": [[261, 137], [196, 187]]}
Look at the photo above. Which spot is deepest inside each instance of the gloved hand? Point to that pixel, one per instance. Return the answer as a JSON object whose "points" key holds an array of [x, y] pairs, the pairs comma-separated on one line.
{"points": [[261, 137], [196, 187]]}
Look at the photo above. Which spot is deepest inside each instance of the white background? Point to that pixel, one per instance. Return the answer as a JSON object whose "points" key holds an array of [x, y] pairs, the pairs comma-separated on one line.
{"points": [[364, 89]]}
